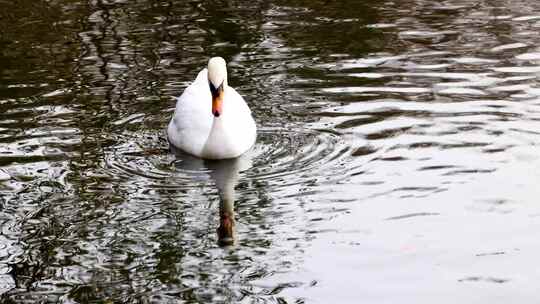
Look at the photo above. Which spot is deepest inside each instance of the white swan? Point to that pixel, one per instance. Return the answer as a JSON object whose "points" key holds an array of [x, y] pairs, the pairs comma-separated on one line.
{"points": [[211, 120]]}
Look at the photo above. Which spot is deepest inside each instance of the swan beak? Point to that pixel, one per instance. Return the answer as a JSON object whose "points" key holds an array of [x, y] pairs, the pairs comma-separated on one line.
{"points": [[217, 99]]}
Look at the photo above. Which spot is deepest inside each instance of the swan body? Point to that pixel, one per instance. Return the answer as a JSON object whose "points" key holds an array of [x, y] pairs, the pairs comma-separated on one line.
{"points": [[211, 120]]}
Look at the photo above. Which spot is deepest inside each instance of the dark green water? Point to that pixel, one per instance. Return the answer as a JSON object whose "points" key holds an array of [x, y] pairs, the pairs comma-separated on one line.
{"points": [[397, 158]]}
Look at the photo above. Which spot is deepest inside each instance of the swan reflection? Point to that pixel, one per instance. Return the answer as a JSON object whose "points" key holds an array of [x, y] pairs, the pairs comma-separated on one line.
{"points": [[224, 173]]}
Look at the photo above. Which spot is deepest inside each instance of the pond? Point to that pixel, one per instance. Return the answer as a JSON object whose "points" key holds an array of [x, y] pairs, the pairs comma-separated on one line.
{"points": [[397, 156]]}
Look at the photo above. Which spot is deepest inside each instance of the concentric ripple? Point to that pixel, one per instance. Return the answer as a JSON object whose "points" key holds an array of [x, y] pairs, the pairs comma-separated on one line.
{"points": [[295, 153], [279, 157]]}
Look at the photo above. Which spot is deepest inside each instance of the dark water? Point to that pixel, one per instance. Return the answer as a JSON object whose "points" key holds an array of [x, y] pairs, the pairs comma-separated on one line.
{"points": [[397, 159]]}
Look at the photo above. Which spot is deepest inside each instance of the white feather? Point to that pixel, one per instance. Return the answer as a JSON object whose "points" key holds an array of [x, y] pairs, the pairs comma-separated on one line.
{"points": [[194, 129]]}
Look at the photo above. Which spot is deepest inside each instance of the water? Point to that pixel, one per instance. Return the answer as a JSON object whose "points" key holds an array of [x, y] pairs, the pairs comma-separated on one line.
{"points": [[396, 161]]}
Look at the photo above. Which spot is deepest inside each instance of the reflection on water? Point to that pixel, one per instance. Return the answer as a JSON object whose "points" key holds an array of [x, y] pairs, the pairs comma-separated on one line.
{"points": [[398, 148], [225, 174]]}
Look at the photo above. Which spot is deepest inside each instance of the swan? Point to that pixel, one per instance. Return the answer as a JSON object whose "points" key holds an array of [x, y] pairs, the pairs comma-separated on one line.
{"points": [[211, 120]]}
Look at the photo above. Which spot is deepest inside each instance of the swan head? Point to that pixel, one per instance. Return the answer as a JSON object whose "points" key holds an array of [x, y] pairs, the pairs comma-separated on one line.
{"points": [[217, 81]]}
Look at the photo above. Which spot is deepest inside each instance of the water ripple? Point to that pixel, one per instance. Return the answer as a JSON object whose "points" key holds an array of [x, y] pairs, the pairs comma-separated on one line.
{"points": [[376, 120]]}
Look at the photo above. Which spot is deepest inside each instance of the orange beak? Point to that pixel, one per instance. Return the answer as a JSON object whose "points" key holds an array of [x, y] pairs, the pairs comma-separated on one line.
{"points": [[217, 103], [217, 98]]}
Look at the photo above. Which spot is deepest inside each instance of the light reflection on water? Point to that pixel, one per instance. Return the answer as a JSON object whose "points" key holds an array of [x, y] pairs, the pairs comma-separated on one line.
{"points": [[397, 151]]}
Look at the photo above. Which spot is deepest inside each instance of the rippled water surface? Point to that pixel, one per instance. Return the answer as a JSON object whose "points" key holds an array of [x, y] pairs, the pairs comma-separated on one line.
{"points": [[397, 159]]}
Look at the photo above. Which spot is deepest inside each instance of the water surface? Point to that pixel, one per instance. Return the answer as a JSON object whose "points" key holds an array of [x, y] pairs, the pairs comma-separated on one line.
{"points": [[397, 158]]}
